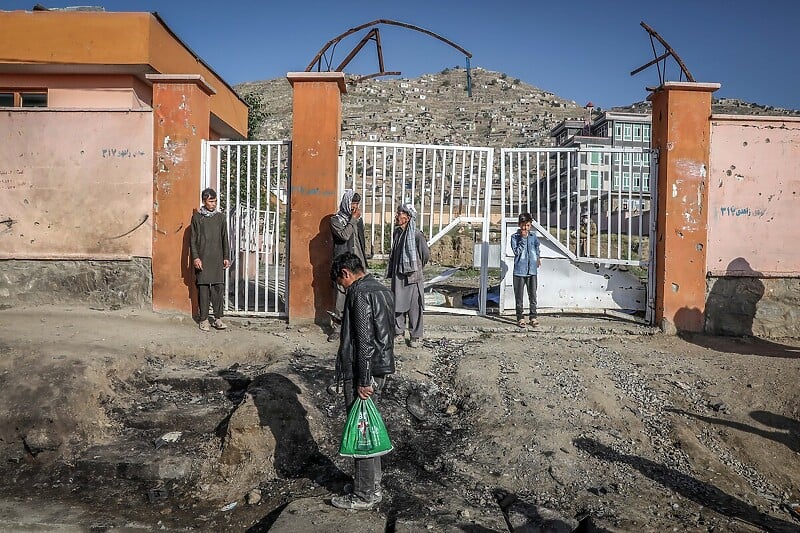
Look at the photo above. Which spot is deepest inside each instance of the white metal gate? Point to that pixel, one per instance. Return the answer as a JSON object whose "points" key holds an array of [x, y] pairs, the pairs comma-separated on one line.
{"points": [[593, 209], [448, 185], [251, 179]]}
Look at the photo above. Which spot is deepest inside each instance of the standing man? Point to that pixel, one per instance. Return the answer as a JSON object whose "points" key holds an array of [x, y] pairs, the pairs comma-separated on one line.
{"points": [[347, 230], [365, 358], [409, 255], [527, 260], [588, 231], [211, 253]]}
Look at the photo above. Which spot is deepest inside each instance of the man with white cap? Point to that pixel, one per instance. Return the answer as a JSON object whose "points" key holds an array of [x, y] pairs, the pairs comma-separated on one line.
{"points": [[409, 255]]}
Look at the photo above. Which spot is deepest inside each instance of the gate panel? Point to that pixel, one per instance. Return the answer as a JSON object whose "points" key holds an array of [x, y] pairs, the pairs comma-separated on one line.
{"points": [[252, 180], [592, 209], [448, 185]]}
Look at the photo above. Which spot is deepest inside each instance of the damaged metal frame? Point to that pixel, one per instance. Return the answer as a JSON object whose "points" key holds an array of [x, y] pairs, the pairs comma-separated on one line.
{"points": [[375, 35], [668, 51]]}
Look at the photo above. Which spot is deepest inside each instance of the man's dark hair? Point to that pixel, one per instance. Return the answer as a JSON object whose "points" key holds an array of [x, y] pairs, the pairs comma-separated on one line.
{"points": [[524, 218], [347, 260], [356, 198], [208, 193]]}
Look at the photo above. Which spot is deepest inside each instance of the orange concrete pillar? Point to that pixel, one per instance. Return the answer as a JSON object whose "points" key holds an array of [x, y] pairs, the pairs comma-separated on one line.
{"points": [[181, 118], [316, 130], [681, 133]]}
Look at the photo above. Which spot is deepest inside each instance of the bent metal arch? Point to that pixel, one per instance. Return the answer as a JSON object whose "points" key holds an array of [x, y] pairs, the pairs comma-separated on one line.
{"points": [[374, 34]]}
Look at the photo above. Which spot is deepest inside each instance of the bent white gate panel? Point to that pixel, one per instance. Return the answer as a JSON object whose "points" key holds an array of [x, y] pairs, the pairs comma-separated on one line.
{"points": [[588, 261], [448, 185], [252, 181], [565, 284]]}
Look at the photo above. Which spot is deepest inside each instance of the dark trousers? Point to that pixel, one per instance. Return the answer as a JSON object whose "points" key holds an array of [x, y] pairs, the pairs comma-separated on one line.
{"points": [[525, 283], [210, 293], [340, 294], [368, 472]]}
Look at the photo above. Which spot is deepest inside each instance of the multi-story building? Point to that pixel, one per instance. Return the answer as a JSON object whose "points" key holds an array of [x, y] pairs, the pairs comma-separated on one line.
{"points": [[610, 167]]}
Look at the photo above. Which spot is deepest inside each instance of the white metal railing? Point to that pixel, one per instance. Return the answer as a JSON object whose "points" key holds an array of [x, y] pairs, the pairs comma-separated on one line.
{"points": [[252, 180], [559, 185], [448, 185], [443, 183]]}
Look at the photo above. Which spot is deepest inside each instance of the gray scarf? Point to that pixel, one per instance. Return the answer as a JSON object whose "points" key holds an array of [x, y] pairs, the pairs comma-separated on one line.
{"points": [[345, 206], [205, 212], [408, 251]]}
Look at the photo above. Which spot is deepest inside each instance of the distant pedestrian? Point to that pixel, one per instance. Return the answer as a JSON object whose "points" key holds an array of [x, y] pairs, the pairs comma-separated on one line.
{"points": [[364, 360], [409, 255], [588, 234], [347, 230], [210, 251], [527, 261]]}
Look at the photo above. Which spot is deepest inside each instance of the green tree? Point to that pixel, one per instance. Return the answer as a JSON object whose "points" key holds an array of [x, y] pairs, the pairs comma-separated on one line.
{"points": [[256, 114]]}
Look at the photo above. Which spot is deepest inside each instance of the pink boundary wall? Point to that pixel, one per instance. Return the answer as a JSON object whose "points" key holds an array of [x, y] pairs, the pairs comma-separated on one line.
{"points": [[76, 184], [754, 196]]}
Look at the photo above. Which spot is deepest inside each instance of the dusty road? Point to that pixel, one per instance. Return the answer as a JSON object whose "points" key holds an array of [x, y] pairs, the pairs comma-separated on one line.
{"points": [[581, 423]]}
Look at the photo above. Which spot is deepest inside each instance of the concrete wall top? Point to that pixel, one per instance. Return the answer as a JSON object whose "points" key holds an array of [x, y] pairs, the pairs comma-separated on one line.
{"points": [[338, 77], [137, 43], [684, 86], [754, 196]]}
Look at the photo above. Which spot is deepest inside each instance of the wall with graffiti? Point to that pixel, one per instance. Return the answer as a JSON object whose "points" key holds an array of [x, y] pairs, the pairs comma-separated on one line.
{"points": [[754, 196], [76, 184]]}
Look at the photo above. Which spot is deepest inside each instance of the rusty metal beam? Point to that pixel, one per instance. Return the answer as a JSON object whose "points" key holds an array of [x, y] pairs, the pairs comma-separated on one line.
{"points": [[368, 37], [653, 62], [668, 52], [317, 58], [375, 75]]}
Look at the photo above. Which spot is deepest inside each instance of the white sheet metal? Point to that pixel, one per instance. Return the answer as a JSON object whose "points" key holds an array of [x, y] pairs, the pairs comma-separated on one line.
{"points": [[564, 284]]}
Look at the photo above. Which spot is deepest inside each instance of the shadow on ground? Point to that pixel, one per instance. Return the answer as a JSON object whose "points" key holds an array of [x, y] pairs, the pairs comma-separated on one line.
{"points": [[698, 491], [787, 430], [743, 345]]}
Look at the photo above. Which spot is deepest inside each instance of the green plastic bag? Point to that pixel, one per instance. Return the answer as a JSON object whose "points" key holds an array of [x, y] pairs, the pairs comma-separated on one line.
{"points": [[364, 432]]}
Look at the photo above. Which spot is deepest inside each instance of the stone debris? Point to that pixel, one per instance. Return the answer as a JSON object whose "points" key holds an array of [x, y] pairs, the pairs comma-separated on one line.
{"points": [[253, 497], [167, 438]]}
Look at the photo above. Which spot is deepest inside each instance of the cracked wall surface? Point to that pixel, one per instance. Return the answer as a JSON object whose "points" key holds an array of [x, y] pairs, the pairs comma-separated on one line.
{"points": [[75, 184], [753, 264]]}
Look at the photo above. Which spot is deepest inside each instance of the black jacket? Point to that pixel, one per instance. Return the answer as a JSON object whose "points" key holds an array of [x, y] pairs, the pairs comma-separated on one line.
{"points": [[366, 345]]}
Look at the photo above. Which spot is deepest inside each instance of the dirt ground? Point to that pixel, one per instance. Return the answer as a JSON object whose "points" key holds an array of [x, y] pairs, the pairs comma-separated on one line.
{"points": [[581, 424]]}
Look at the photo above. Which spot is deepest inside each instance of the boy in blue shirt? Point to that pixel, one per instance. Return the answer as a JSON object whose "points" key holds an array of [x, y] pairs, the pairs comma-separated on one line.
{"points": [[525, 244]]}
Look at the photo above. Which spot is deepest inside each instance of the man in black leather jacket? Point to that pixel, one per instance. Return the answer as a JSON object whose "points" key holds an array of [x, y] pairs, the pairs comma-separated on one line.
{"points": [[365, 358]]}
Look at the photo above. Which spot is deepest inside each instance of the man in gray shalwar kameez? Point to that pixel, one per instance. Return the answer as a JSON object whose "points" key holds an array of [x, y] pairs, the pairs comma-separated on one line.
{"points": [[409, 255], [210, 251]]}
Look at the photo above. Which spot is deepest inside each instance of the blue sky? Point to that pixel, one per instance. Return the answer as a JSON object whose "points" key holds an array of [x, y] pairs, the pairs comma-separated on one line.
{"points": [[580, 50]]}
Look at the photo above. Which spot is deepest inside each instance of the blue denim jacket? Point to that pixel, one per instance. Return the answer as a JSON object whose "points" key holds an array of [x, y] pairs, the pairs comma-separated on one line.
{"points": [[526, 253]]}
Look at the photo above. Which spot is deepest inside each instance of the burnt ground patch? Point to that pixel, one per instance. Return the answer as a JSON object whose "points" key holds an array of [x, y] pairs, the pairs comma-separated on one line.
{"points": [[491, 433]]}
